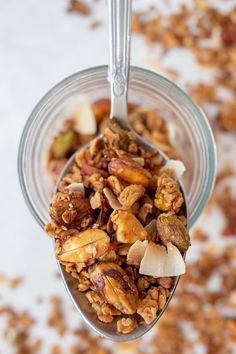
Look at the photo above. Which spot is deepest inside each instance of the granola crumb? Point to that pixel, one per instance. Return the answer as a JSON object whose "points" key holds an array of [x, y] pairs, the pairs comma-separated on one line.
{"points": [[56, 318], [79, 6], [126, 325]]}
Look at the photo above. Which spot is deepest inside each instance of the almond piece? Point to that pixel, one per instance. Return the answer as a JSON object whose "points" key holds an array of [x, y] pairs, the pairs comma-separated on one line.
{"points": [[128, 228], [85, 246]]}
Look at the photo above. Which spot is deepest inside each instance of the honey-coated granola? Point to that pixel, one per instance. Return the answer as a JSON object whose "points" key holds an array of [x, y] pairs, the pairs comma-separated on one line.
{"points": [[101, 217]]}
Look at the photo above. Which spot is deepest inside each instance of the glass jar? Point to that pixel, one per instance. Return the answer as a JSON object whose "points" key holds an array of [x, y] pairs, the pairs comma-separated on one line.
{"points": [[188, 126]]}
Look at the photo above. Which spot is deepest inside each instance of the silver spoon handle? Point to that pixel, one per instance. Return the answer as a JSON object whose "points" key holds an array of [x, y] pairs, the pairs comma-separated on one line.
{"points": [[119, 48]]}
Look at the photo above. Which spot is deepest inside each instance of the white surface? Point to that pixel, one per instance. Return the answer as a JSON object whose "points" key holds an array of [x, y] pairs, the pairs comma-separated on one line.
{"points": [[40, 44]]}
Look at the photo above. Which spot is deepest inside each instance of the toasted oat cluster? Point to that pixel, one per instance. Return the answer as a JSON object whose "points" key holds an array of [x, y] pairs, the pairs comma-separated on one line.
{"points": [[84, 124], [119, 223]]}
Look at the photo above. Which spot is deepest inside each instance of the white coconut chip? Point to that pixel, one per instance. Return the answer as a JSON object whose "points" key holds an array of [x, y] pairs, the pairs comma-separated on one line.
{"points": [[76, 187], [136, 252], [85, 122], [139, 160], [111, 198], [177, 166], [161, 262]]}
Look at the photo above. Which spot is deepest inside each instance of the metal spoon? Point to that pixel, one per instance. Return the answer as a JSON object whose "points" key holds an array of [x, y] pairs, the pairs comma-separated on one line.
{"points": [[119, 38]]}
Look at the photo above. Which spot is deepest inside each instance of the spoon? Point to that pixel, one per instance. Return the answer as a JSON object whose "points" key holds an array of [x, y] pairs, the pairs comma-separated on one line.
{"points": [[119, 40]]}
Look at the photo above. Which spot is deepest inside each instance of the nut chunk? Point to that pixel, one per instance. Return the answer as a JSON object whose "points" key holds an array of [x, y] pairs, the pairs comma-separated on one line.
{"points": [[85, 246], [126, 325], [70, 208], [168, 196], [128, 228], [171, 229], [129, 171], [130, 195], [115, 287]]}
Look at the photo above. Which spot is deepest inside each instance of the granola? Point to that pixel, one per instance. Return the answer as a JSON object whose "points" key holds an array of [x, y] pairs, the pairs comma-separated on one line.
{"points": [[145, 121], [102, 231]]}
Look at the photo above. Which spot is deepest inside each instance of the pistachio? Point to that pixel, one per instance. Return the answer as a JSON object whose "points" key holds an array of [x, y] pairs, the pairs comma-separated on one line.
{"points": [[65, 144], [171, 229], [85, 246], [115, 287], [128, 228], [129, 170]]}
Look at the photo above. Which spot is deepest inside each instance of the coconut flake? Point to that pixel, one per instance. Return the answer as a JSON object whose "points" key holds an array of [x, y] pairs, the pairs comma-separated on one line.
{"points": [[161, 262], [136, 252], [111, 198], [177, 166], [151, 227], [85, 122], [76, 187], [139, 160]]}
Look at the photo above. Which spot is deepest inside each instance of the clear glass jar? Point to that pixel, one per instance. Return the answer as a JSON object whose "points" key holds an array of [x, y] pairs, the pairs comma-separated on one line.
{"points": [[189, 127]]}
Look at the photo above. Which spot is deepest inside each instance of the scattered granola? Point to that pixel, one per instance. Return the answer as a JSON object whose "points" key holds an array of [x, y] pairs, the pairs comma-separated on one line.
{"points": [[56, 318], [102, 220], [79, 6], [227, 204]]}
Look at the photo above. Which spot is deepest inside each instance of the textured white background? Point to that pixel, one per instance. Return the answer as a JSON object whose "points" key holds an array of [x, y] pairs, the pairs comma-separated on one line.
{"points": [[40, 44]]}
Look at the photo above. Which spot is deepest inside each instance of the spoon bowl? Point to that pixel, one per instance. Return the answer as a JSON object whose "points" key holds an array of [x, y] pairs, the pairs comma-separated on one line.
{"points": [[109, 330]]}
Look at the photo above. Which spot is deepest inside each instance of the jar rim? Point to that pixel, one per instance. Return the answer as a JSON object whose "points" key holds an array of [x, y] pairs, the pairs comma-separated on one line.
{"points": [[144, 74]]}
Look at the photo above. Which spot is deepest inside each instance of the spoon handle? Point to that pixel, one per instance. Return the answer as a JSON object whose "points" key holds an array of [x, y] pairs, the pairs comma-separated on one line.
{"points": [[119, 49]]}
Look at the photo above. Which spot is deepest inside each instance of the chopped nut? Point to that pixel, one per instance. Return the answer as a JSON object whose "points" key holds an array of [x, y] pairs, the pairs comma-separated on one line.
{"points": [[85, 246], [65, 144], [130, 195], [129, 171], [115, 287], [126, 325], [95, 201], [128, 228], [171, 229]]}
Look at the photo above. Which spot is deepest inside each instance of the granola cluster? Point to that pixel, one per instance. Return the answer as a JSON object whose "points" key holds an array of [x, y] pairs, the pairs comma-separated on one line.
{"points": [[113, 214], [145, 121]]}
